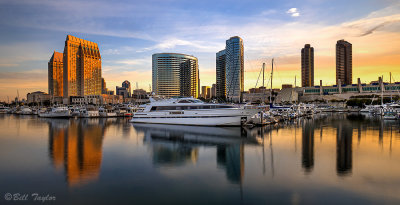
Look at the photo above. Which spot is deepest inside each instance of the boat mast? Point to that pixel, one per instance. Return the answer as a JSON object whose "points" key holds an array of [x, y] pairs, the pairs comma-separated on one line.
{"points": [[263, 68], [382, 86], [272, 72], [390, 82]]}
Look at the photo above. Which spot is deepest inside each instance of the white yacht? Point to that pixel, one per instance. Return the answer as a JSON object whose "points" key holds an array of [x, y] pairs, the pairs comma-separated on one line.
{"points": [[26, 111], [107, 112], [190, 111], [56, 112]]}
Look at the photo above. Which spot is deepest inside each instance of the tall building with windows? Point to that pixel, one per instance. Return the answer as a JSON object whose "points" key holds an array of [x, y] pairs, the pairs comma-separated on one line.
{"points": [[126, 84], [234, 68], [82, 68], [55, 72], [344, 62], [220, 77], [307, 66], [103, 86], [175, 74]]}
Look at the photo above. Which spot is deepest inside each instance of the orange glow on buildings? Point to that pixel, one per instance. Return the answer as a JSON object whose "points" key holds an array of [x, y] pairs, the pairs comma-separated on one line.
{"points": [[56, 74], [82, 67]]}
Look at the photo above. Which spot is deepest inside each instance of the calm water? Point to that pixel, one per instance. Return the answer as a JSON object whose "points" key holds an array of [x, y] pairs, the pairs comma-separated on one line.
{"points": [[330, 159]]}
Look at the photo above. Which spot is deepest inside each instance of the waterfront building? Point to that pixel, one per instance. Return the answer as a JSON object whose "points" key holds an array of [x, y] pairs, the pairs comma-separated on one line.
{"points": [[55, 74], [342, 92], [287, 86], [205, 92], [38, 97], [175, 74], [126, 84], [234, 68], [220, 77], [344, 63], [82, 68], [122, 91], [307, 66], [96, 99], [213, 90], [103, 86]]}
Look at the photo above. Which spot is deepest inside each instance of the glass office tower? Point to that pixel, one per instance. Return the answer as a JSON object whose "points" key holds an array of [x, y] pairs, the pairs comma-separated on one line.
{"points": [[175, 74], [220, 78], [234, 68]]}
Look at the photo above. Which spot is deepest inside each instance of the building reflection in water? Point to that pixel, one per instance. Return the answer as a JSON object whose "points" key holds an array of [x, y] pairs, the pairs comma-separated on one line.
{"points": [[76, 146], [344, 139], [307, 154], [174, 145], [231, 158]]}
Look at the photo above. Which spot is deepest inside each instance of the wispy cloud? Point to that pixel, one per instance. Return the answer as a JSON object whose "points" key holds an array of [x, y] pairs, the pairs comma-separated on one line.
{"points": [[293, 12]]}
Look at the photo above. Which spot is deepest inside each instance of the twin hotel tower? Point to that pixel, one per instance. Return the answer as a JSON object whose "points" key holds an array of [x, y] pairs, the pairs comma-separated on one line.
{"points": [[77, 71]]}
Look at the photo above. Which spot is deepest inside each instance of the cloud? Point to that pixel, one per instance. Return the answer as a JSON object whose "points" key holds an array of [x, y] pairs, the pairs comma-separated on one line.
{"points": [[293, 12]]}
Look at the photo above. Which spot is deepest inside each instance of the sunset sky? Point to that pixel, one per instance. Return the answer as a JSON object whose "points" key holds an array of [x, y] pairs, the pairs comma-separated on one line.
{"points": [[129, 32]]}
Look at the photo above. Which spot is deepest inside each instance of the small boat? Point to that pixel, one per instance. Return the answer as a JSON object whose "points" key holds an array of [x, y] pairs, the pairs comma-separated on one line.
{"points": [[390, 115], [89, 112], [56, 112], [107, 112], [26, 111], [4, 110]]}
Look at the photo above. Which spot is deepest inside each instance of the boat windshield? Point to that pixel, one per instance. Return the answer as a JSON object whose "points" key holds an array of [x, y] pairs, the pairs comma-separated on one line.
{"points": [[190, 101]]}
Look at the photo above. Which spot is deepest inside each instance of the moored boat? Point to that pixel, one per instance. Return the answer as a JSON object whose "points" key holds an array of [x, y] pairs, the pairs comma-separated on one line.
{"points": [[190, 111]]}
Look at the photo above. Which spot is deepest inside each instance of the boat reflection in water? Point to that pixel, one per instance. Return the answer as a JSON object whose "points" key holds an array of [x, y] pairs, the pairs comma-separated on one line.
{"points": [[175, 145], [76, 147]]}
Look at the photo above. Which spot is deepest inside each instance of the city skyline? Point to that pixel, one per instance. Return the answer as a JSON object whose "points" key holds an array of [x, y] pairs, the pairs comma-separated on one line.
{"points": [[269, 30]]}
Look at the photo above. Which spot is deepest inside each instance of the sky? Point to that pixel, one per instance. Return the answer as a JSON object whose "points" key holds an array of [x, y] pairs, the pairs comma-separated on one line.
{"points": [[128, 32]]}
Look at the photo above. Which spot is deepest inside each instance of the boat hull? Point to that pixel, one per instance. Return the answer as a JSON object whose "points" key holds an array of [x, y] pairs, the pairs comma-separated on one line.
{"points": [[194, 120]]}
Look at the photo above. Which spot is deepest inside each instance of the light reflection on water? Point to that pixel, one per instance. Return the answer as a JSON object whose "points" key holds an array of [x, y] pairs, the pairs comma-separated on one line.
{"points": [[345, 158]]}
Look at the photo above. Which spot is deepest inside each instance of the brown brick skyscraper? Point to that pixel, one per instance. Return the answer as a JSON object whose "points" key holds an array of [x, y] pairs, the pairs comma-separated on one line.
{"points": [[344, 62], [307, 66]]}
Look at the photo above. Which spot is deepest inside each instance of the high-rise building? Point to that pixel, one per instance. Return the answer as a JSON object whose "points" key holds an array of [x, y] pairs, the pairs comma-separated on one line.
{"points": [[122, 91], [82, 68], [234, 68], [103, 86], [205, 92], [221, 78], [126, 84], [344, 62], [55, 72], [175, 74], [213, 90], [307, 66]]}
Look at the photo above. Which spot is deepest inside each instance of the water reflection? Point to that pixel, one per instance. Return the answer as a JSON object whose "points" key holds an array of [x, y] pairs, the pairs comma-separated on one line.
{"points": [[76, 146], [344, 139], [307, 137], [176, 145], [231, 158]]}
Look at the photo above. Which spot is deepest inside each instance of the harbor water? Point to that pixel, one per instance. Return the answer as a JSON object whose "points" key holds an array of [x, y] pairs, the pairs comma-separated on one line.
{"points": [[328, 159]]}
